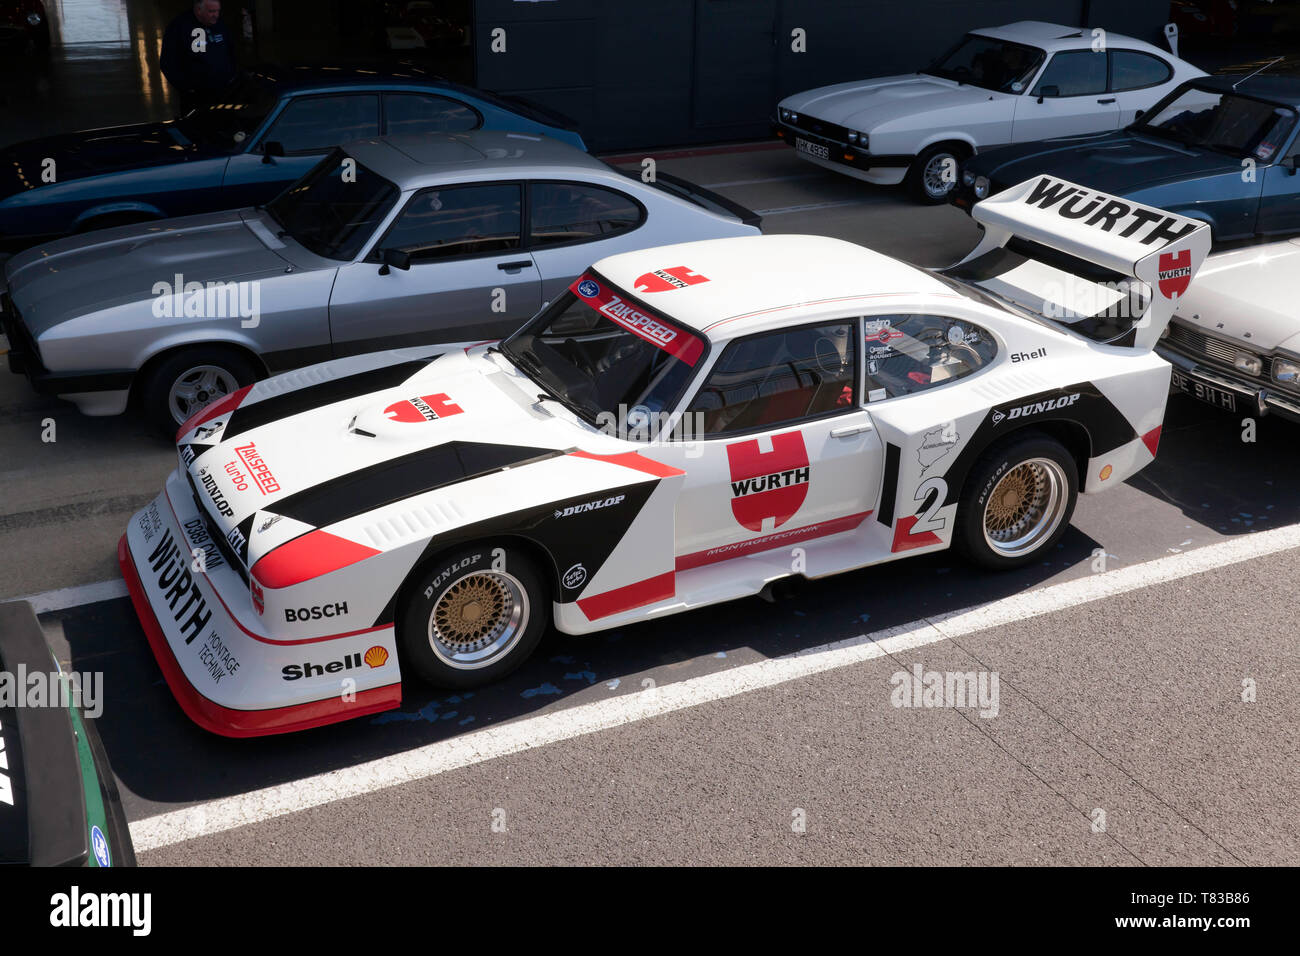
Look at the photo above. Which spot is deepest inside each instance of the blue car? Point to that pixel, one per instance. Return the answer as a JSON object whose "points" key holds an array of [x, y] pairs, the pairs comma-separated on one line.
{"points": [[1220, 149], [271, 127]]}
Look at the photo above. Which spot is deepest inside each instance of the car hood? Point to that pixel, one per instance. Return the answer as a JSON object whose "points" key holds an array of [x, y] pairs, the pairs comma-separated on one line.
{"points": [[1248, 295], [864, 104], [68, 278], [91, 153], [328, 443], [1115, 162]]}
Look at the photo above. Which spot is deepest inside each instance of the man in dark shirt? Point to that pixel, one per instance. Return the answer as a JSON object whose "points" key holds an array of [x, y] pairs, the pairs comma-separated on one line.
{"points": [[198, 54]]}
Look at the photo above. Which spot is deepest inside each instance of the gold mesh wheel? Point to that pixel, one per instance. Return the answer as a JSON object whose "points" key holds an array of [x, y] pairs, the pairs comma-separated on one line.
{"points": [[1025, 507], [478, 619]]}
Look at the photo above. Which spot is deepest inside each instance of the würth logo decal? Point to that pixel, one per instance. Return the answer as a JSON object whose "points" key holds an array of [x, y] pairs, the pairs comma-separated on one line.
{"points": [[770, 484], [1174, 273], [665, 280], [1100, 211], [423, 409]]}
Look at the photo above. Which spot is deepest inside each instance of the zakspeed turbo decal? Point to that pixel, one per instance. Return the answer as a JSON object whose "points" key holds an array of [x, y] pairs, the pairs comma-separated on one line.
{"points": [[768, 485], [677, 342]]}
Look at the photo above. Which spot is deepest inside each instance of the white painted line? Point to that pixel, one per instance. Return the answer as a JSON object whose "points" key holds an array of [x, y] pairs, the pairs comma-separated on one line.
{"points": [[811, 206], [769, 179], [492, 742], [48, 601]]}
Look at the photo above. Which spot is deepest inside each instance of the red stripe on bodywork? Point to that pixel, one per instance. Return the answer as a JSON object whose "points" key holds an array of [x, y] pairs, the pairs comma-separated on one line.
{"points": [[213, 410], [625, 598], [216, 719], [634, 460], [1152, 440], [308, 556], [767, 542]]}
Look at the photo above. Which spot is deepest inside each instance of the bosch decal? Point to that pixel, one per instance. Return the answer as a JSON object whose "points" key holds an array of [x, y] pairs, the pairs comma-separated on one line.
{"points": [[426, 408], [315, 612], [666, 280], [768, 485]]}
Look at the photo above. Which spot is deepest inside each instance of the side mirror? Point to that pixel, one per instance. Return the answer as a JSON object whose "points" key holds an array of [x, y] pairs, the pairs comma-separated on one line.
{"points": [[396, 258], [1048, 91], [1138, 115], [1289, 164], [271, 150]]}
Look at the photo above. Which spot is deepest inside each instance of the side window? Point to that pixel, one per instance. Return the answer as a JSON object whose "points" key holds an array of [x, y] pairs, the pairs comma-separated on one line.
{"points": [[312, 123], [417, 113], [908, 353], [1130, 70], [569, 212], [787, 376], [457, 221], [1073, 73]]}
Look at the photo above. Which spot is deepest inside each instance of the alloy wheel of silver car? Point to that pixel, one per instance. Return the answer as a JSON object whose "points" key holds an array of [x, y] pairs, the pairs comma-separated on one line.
{"points": [[1025, 507], [478, 619], [933, 175], [197, 387]]}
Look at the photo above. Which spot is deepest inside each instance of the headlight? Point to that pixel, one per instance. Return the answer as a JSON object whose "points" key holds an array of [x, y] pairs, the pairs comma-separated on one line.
{"points": [[34, 19], [862, 140], [785, 116], [853, 137], [1286, 371], [981, 187], [1245, 362], [967, 178]]}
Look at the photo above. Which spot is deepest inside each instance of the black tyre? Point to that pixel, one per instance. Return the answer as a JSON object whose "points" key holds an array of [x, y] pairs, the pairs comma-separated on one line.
{"points": [[933, 174], [1017, 501], [472, 616], [186, 381]]}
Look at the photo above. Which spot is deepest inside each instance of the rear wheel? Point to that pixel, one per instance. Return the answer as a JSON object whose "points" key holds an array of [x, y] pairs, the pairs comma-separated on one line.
{"points": [[472, 616], [1017, 502], [186, 381]]}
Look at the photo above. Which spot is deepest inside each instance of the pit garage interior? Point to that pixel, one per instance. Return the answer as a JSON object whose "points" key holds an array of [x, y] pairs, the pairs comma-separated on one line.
{"points": [[632, 75]]}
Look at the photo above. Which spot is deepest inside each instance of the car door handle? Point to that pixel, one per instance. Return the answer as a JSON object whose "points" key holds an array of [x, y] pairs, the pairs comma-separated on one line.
{"points": [[848, 431], [1111, 100], [517, 264]]}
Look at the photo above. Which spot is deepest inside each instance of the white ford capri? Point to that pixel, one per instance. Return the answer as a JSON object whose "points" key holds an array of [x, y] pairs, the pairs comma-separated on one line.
{"points": [[1017, 83], [683, 426]]}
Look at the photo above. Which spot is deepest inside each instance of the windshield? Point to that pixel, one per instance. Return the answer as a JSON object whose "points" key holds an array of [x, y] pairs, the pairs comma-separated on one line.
{"points": [[334, 209], [609, 360], [989, 63], [238, 115], [1226, 122]]}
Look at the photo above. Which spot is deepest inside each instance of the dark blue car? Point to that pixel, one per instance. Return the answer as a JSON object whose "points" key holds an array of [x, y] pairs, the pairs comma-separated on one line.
{"points": [[271, 127], [1221, 149]]}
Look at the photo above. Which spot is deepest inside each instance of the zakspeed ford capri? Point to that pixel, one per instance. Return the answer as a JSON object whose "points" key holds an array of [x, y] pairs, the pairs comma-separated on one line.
{"points": [[661, 437]]}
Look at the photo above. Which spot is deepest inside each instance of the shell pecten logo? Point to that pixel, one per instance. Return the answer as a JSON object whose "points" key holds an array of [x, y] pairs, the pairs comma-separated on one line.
{"points": [[376, 656]]}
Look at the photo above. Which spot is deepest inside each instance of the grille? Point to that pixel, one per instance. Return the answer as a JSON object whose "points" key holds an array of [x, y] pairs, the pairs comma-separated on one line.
{"points": [[816, 127], [219, 539], [1215, 350]]}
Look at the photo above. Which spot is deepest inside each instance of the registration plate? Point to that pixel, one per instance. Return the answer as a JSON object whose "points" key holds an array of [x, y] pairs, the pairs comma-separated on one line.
{"points": [[1219, 397], [812, 149]]}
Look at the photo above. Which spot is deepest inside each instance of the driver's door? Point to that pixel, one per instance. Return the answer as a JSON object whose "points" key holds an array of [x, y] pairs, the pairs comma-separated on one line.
{"points": [[468, 278], [779, 449]]}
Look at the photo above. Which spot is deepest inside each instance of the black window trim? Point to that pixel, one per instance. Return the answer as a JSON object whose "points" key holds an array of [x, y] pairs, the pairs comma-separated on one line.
{"points": [[1110, 70], [375, 255], [417, 91], [290, 100], [858, 406], [528, 218]]}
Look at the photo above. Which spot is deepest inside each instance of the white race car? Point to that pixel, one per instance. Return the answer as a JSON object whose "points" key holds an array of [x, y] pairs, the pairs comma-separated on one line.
{"points": [[683, 426], [1016, 83], [1234, 340]]}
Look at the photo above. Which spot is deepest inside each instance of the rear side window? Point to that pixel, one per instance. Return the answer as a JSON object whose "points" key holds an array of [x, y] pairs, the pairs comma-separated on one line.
{"points": [[574, 212], [1074, 73], [911, 353], [407, 114], [312, 123], [1130, 70], [778, 378]]}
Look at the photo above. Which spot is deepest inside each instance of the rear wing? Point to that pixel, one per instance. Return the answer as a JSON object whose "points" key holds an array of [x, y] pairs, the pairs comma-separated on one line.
{"points": [[1107, 268]]}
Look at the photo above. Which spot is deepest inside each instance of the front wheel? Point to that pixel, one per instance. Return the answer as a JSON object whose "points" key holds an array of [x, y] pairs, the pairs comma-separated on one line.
{"points": [[472, 616], [184, 382], [933, 174], [1017, 502]]}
